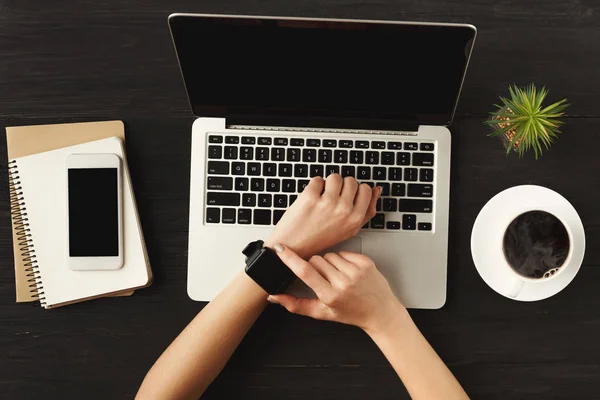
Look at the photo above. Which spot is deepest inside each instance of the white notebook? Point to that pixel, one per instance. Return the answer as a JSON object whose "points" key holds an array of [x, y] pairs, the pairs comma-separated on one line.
{"points": [[41, 180]]}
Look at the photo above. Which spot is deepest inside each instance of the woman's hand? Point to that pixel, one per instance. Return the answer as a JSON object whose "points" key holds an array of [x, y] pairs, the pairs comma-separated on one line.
{"points": [[349, 287], [325, 214]]}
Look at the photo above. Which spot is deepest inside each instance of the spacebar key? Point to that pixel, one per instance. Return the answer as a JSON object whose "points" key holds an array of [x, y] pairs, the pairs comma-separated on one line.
{"points": [[222, 199], [410, 205]]}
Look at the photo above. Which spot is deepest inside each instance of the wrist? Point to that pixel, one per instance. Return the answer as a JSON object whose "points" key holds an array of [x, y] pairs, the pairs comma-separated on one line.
{"points": [[391, 318]]}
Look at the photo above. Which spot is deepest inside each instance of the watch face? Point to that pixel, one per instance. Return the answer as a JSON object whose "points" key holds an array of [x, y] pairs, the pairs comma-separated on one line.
{"points": [[270, 272]]}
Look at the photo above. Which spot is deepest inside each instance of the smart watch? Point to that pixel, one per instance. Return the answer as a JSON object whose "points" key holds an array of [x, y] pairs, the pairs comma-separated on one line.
{"points": [[266, 268]]}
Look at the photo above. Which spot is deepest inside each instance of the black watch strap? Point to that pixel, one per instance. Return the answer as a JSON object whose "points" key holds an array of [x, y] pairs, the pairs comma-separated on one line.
{"points": [[266, 268]]}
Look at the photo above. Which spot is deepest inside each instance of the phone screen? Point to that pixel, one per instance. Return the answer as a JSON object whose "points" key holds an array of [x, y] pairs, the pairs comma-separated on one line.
{"points": [[93, 212]]}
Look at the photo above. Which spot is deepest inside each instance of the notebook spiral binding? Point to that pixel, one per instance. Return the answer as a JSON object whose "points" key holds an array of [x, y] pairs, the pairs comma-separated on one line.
{"points": [[18, 211]]}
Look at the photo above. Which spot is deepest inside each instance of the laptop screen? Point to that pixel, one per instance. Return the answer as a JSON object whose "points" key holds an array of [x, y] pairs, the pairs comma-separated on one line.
{"points": [[322, 68]]}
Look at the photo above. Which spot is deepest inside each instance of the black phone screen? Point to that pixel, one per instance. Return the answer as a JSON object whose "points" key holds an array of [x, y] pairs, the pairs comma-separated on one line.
{"points": [[93, 212]]}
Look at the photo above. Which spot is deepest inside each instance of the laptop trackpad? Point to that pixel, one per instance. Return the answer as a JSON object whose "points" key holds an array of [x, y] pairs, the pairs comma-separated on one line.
{"points": [[354, 244]]}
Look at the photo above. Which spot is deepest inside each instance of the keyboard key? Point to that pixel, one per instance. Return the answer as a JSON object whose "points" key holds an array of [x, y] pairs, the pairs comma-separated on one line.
{"points": [[408, 222], [219, 183], [262, 153], [365, 226], [398, 189], [378, 145], [309, 155], [361, 144], [385, 188], [423, 159], [215, 152], [424, 226], [265, 141], [402, 158], [293, 154], [257, 184], [289, 186], [379, 204], [218, 167], [313, 142], [264, 200], [325, 156], [302, 184], [213, 215], [345, 144], [222, 199], [363, 173], [231, 153], [332, 169], [411, 146], [388, 158], [246, 153], [394, 145], [378, 221], [248, 140], [317, 170], [281, 142], [244, 216], [249, 200], [278, 154], [417, 190], [273, 185], [372, 157], [340, 156], [370, 184], [293, 198], [427, 146], [285, 169], [254, 169], [215, 139], [229, 215], [262, 217], [410, 174], [296, 142], [300, 170], [241, 184], [348, 170], [329, 143], [280, 201], [395, 174], [269, 169], [357, 156], [277, 214], [413, 205], [232, 139], [390, 205], [392, 225], [379, 173], [238, 168], [426, 175]]}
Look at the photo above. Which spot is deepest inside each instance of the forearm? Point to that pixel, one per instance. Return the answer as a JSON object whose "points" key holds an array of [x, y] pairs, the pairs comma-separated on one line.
{"points": [[423, 373], [200, 352]]}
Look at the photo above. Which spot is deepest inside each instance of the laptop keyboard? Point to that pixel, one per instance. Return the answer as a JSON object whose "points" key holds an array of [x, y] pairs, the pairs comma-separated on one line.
{"points": [[251, 180]]}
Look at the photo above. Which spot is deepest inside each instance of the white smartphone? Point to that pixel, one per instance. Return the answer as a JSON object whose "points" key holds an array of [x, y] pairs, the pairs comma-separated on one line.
{"points": [[94, 212]]}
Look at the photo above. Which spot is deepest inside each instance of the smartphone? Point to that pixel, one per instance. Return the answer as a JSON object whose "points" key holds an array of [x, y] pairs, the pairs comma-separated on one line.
{"points": [[94, 212]]}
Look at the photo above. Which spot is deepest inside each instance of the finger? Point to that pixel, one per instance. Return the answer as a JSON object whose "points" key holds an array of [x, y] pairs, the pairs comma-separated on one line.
{"points": [[303, 270], [326, 270], [363, 199], [355, 258], [313, 308], [372, 209], [333, 185], [341, 264], [349, 188], [314, 187]]}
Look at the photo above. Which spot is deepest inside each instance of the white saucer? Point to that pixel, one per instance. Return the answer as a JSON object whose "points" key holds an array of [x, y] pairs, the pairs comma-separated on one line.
{"points": [[488, 233]]}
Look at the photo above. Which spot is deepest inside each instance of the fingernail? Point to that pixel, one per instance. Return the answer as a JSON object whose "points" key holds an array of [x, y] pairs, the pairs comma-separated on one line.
{"points": [[270, 299], [278, 248]]}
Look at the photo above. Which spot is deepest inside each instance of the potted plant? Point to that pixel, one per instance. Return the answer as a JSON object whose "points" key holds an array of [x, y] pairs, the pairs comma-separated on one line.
{"points": [[523, 124]]}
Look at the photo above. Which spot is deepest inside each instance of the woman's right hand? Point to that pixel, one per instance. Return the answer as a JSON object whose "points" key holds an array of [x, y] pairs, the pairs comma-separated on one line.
{"points": [[349, 287]]}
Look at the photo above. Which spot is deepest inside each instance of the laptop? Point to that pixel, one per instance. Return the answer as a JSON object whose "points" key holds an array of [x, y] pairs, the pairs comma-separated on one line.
{"points": [[280, 100]]}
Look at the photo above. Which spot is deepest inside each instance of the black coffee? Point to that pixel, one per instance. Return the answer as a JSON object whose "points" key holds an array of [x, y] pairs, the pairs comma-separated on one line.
{"points": [[536, 244]]}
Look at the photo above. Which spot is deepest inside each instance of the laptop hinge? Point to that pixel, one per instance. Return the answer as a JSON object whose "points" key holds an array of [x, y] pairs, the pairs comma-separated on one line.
{"points": [[322, 124]]}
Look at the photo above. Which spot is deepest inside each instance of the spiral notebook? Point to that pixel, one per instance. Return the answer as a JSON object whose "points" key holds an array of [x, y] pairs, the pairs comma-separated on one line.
{"points": [[38, 194]]}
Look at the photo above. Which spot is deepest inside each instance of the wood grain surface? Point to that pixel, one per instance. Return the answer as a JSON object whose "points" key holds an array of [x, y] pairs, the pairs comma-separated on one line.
{"points": [[68, 61]]}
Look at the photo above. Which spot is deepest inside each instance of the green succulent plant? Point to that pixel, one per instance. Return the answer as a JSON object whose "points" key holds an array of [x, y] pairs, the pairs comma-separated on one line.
{"points": [[525, 123]]}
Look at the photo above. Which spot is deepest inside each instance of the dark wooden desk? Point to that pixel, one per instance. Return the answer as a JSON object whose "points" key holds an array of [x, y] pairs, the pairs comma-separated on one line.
{"points": [[64, 61]]}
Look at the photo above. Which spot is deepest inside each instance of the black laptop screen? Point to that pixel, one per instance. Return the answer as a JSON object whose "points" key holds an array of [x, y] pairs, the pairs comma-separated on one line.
{"points": [[326, 69]]}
